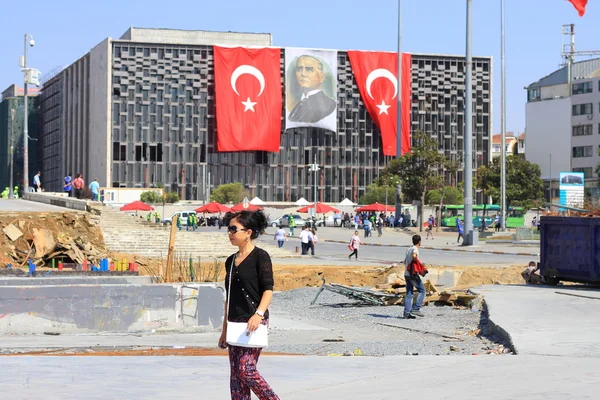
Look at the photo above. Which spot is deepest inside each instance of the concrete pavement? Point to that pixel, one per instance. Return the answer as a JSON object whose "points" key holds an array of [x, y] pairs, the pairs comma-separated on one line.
{"points": [[546, 320], [466, 377], [19, 205]]}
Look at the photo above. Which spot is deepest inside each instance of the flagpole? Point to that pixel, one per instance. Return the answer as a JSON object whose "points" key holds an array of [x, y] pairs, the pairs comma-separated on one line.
{"points": [[503, 119], [468, 239], [399, 110]]}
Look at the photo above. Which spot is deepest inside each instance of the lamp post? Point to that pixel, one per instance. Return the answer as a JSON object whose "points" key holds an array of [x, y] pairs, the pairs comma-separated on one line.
{"points": [[550, 181], [314, 168], [11, 192], [399, 109], [27, 80], [468, 137], [503, 121]]}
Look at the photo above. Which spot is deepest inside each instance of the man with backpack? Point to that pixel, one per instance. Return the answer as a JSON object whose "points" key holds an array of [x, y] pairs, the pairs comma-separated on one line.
{"points": [[412, 276]]}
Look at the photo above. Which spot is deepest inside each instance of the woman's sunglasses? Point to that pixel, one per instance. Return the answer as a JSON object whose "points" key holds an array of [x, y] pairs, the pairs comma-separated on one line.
{"points": [[234, 229]]}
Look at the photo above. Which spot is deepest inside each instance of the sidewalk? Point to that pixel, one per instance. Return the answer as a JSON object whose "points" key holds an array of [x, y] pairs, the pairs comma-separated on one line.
{"points": [[396, 238]]}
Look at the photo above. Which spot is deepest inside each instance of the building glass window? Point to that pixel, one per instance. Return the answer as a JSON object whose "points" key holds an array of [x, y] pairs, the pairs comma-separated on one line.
{"points": [[583, 87], [582, 130], [582, 151], [587, 171], [583, 109]]}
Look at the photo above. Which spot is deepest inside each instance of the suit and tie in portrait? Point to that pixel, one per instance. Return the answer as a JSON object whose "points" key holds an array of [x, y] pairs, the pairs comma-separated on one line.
{"points": [[311, 90]]}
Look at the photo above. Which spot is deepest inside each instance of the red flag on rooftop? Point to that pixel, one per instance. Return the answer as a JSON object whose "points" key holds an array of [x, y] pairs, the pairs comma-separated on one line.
{"points": [[579, 6]]}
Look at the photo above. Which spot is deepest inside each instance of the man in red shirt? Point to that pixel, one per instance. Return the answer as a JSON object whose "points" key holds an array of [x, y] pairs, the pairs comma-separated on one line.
{"points": [[78, 184]]}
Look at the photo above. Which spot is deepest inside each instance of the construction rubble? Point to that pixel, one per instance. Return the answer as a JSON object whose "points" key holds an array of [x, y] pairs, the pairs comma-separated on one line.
{"points": [[43, 237]]}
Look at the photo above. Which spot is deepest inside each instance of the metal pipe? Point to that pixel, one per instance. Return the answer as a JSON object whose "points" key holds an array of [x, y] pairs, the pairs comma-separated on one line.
{"points": [[399, 110], [315, 168], [468, 139], [12, 158], [503, 123], [550, 181]]}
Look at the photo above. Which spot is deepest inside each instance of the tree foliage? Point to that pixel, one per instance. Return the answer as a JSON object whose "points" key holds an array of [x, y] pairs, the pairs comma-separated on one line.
{"points": [[229, 193], [524, 185], [375, 193], [151, 197], [418, 170], [452, 195]]}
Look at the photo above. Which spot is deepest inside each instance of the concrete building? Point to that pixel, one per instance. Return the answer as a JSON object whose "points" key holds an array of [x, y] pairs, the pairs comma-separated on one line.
{"points": [[12, 99], [563, 123], [138, 111], [511, 143]]}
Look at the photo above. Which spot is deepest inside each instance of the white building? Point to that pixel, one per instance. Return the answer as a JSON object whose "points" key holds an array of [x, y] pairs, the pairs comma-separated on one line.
{"points": [[563, 127]]}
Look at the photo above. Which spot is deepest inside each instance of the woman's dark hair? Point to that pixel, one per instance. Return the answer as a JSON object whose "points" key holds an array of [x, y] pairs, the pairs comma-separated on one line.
{"points": [[254, 220]]}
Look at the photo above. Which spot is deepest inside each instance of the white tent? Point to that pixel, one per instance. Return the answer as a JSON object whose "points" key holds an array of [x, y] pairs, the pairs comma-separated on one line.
{"points": [[346, 202], [302, 202], [257, 202]]}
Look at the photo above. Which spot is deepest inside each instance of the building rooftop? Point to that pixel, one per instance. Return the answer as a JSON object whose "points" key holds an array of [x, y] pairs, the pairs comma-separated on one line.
{"points": [[180, 36], [497, 138], [581, 70], [16, 91]]}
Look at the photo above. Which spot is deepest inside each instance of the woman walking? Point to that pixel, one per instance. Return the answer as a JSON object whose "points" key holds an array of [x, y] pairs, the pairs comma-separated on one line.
{"points": [[354, 245], [280, 236], [250, 294]]}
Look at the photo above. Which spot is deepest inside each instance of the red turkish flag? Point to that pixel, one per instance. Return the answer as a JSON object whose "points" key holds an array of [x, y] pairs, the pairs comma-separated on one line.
{"points": [[377, 79], [248, 98], [579, 6]]}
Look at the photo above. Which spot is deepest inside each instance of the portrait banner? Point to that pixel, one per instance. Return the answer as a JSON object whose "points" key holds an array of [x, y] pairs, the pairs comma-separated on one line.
{"points": [[310, 88], [377, 80], [248, 98]]}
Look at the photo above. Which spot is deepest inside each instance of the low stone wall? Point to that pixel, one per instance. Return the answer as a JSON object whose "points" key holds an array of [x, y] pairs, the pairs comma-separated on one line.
{"points": [[89, 308], [56, 199]]}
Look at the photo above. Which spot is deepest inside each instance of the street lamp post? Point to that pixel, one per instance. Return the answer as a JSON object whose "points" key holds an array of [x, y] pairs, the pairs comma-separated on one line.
{"points": [[469, 238], [11, 192], [503, 121], [26, 114], [399, 109], [550, 181], [314, 168]]}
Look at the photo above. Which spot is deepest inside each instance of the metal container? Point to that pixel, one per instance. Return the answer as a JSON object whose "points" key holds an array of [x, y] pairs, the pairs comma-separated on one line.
{"points": [[570, 249]]}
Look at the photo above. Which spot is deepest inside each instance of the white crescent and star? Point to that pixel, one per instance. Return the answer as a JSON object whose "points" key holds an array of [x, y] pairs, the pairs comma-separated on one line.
{"points": [[382, 73], [250, 70]]}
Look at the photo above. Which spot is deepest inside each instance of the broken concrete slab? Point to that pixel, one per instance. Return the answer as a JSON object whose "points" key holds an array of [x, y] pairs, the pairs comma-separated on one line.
{"points": [[12, 232]]}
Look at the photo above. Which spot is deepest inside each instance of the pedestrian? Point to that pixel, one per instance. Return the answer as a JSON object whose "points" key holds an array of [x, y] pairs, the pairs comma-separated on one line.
{"points": [[179, 221], [336, 218], [37, 183], [68, 186], [305, 239], [482, 229], [95, 187], [354, 245], [498, 222], [250, 295], [534, 221], [280, 236], [411, 311], [461, 231], [313, 241], [190, 222], [367, 227], [380, 226], [291, 224], [430, 223], [78, 184]]}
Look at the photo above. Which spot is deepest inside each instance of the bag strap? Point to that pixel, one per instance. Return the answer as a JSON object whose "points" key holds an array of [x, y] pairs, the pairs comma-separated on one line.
{"points": [[229, 290]]}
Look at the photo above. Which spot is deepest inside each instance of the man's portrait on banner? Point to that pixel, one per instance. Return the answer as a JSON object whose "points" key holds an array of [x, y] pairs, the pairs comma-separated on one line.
{"points": [[310, 90]]}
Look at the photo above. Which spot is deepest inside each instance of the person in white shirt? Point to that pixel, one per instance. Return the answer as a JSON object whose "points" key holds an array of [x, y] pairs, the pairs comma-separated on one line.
{"points": [[305, 240]]}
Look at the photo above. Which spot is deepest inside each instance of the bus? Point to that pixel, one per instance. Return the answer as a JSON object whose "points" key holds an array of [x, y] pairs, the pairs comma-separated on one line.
{"points": [[515, 215]]}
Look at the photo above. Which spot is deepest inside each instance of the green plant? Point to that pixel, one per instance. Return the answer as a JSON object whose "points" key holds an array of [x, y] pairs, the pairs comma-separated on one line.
{"points": [[172, 197], [229, 193], [151, 197]]}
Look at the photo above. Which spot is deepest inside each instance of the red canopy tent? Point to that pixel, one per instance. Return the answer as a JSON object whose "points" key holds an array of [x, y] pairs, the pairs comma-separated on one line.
{"points": [[212, 208], [136, 206], [240, 207], [375, 207], [321, 208]]}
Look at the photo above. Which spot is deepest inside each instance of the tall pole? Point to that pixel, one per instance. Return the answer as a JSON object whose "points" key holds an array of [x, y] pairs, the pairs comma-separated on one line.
{"points": [[503, 121], [399, 110], [12, 135], [315, 168], [550, 181], [25, 124], [468, 140]]}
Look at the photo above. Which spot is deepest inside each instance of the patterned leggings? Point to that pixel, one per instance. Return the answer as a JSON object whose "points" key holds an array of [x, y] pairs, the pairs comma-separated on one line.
{"points": [[245, 377]]}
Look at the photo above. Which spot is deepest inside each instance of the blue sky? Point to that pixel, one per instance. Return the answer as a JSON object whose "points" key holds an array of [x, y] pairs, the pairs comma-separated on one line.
{"points": [[65, 30]]}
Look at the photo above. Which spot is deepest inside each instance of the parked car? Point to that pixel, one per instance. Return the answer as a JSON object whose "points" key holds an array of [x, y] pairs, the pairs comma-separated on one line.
{"points": [[329, 220], [184, 216], [283, 221]]}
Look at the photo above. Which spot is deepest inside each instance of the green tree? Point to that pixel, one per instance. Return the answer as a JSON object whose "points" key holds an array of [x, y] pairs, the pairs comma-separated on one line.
{"points": [[150, 197], [171, 197], [524, 186], [418, 170], [229, 193], [376, 193], [452, 195]]}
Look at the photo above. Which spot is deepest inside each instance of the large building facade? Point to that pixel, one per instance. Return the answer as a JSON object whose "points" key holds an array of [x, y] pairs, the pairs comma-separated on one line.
{"points": [[563, 123], [140, 112]]}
